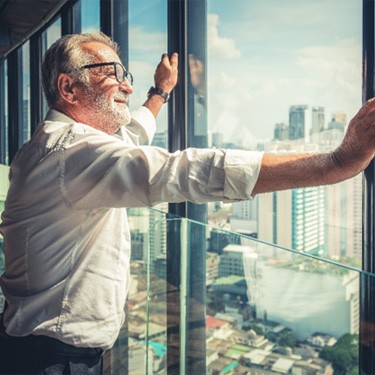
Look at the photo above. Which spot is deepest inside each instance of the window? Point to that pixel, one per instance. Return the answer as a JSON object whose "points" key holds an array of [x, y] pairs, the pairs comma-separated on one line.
{"points": [[286, 77]]}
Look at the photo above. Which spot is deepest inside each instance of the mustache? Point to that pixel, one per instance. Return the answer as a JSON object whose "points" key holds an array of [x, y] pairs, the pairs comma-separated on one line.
{"points": [[121, 96]]}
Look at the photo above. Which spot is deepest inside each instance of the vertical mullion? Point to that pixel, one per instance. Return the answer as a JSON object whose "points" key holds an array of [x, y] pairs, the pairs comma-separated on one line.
{"points": [[177, 138], [197, 137], [106, 17], [36, 94], [367, 285], [14, 101], [177, 113], [3, 123], [120, 29], [71, 19]]}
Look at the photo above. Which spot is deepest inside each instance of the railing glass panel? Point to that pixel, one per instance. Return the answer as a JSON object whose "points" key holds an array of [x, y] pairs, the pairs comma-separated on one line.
{"points": [[267, 307]]}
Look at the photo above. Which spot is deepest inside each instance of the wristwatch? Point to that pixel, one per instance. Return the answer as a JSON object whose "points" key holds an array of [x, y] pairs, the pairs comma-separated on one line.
{"points": [[158, 91]]}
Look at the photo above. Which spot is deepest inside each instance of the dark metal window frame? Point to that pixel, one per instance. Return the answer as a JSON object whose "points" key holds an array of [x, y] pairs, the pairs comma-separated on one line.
{"points": [[179, 138], [3, 117], [367, 284]]}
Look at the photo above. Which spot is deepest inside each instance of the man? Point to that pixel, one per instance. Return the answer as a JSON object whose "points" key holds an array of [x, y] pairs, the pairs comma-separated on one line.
{"points": [[65, 229]]}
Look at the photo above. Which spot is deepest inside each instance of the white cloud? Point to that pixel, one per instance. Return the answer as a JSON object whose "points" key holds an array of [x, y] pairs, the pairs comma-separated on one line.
{"points": [[339, 63], [144, 41], [218, 46]]}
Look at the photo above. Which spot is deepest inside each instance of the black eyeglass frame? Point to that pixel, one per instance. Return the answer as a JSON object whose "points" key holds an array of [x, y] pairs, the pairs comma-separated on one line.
{"points": [[127, 75]]}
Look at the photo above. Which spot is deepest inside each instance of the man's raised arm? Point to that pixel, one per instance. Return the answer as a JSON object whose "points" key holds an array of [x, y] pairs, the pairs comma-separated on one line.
{"points": [[165, 78]]}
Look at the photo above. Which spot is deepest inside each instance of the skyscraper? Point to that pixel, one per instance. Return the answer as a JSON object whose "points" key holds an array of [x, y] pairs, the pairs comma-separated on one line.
{"points": [[317, 119], [338, 121], [281, 132], [293, 219], [299, 122]]}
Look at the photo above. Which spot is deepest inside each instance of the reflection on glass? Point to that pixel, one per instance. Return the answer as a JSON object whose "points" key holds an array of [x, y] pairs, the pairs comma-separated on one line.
{"points": [[90, 16], [288, 84], [25, 122]]}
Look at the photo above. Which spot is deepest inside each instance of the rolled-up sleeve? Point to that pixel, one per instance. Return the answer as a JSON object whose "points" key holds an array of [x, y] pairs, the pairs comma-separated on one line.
{"points": [[105, 172]]}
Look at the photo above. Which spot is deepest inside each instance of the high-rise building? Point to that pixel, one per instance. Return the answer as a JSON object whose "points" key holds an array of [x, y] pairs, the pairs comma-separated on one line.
{"points": [[317, 120], [308, 219], [245, 210], [231, 261], [299, 122], [293, 218], [281, 132], [343, 233], [338, 121]]}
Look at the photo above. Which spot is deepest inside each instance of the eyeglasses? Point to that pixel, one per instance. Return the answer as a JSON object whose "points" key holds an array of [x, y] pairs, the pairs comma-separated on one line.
{"points": [[120, 72]]}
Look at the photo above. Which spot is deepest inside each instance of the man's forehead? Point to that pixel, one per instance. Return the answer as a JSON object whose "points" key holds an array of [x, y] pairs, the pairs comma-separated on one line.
{"points": [[101, 52]]}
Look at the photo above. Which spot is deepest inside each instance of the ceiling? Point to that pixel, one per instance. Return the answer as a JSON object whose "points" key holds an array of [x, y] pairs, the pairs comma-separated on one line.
{"points": [[19, 19]]}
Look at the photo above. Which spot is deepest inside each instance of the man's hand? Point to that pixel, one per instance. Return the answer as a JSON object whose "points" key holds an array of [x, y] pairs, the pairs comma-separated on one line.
{"points": [[358, 146], [279, 172], [166, 72], [165, 78]]}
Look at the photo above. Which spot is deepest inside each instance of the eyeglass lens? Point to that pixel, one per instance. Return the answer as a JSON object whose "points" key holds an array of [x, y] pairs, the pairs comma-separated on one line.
{"points": [[121, 74]]}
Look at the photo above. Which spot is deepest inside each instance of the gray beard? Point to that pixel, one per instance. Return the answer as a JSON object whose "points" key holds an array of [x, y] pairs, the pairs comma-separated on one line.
{"points": [[107, 115]]}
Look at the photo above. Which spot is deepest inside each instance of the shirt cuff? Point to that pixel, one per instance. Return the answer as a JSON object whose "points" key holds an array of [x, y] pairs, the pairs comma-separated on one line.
{"points": [[241, 173]]}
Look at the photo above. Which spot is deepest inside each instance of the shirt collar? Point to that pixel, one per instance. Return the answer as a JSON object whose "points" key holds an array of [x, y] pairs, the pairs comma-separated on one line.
{"points": [[55, 115]]}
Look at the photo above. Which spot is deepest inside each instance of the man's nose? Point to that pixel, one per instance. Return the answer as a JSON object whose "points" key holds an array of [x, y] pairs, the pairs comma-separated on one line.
{"points": [[126, 86]]}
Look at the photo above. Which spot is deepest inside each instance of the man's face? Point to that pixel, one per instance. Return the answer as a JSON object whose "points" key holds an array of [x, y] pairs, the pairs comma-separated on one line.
{"points": [[104, 100]]}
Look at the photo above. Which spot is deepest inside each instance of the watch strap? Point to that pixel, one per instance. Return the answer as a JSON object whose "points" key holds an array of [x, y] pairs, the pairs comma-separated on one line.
{"points": [[158, 91]]}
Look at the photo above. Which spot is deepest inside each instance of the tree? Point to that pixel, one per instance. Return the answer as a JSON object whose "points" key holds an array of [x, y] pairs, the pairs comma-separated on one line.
{"points": [[343, 355]]}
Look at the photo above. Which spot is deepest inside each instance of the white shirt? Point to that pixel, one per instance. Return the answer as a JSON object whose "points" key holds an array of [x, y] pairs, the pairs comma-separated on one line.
{"points": [[66, 235]]}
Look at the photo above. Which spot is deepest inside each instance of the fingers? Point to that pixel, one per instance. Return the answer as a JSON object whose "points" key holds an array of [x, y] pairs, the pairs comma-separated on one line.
{"points": [[172, 61], [369, 106]]}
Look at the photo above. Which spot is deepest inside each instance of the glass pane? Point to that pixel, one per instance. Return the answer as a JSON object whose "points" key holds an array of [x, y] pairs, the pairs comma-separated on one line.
{"points": [[53, 32], [90, 16], [276, 310], [286, 77], [268, 308], [49, 36], [147, 42]]}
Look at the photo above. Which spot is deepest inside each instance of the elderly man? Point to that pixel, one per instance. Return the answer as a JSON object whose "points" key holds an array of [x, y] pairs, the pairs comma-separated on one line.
{"points": [[67, 242]]}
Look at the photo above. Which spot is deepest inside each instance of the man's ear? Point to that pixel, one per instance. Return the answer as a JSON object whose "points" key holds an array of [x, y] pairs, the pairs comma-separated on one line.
{"points": [[67, 88]]}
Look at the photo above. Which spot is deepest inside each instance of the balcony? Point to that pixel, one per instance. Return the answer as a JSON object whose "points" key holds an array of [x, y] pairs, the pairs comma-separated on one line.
{"points": [[271, 309]]}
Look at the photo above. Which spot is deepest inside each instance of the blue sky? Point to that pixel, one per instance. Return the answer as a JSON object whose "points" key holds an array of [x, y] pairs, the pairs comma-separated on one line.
{"points": [[279, 53], [263, 56]]}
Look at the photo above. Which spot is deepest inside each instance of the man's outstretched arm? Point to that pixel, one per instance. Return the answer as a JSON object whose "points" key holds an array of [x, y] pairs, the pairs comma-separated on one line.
{"points": [[287, 171]]}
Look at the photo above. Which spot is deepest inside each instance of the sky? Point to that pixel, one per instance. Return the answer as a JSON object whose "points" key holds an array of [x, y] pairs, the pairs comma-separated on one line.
{"points": [[262, 57]]}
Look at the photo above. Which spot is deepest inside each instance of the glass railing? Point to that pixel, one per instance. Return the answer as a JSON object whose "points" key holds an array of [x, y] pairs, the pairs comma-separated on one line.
{"points": [[264, 307], [205, 300]]}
